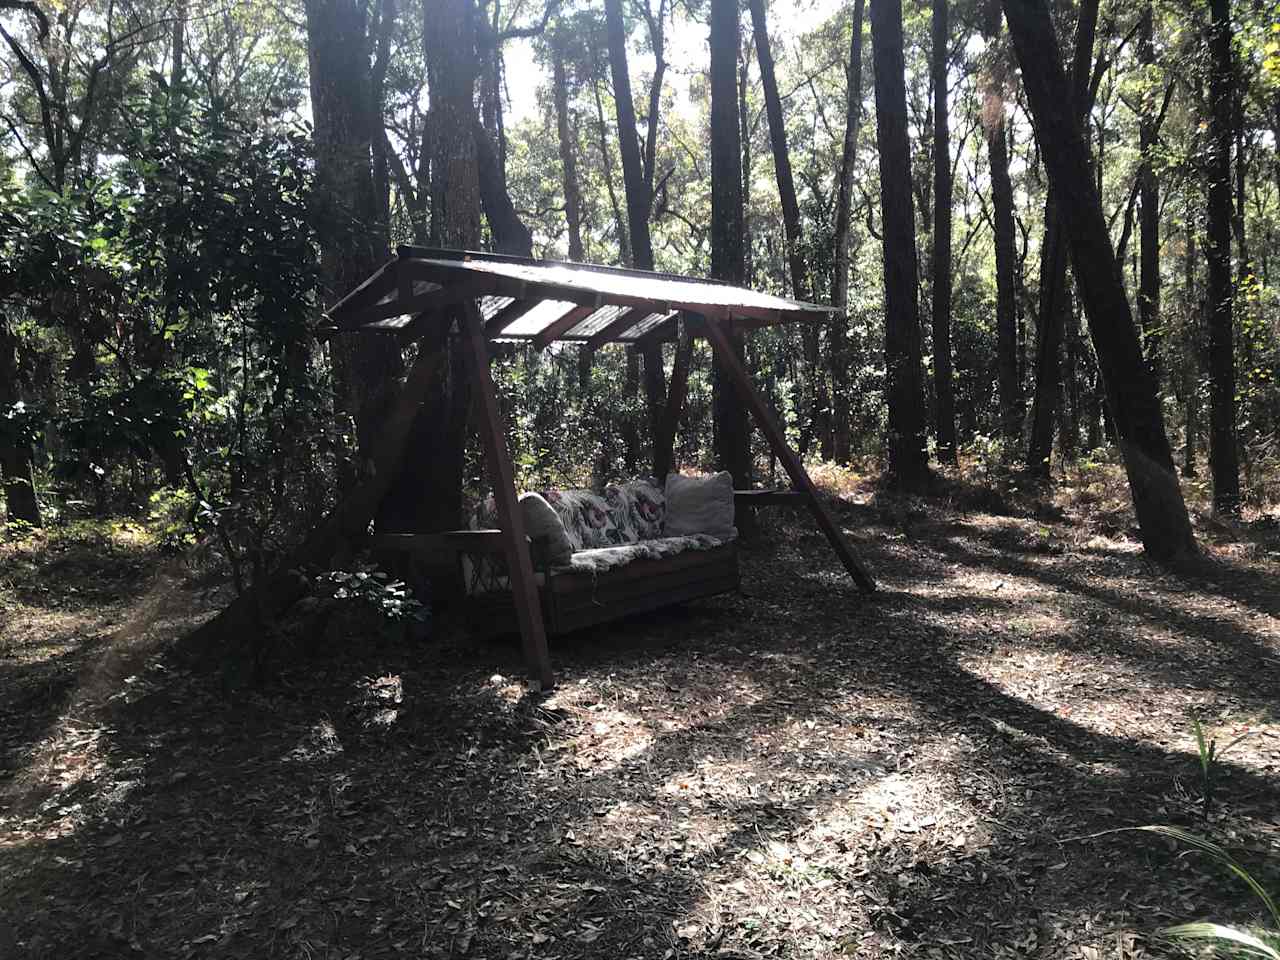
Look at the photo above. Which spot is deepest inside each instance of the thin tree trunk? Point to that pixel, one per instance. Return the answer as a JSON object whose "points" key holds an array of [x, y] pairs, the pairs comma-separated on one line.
{"points": [[639, 191], [1006, 263], [791, 224], [568, 160], [744, 124], [1223, 461], [908, 459], [1191, 353], [844, 228], [1161, 512], [1054, 293], [732, 440], [944, 386], [1149, 218], [606, 164], [15, 455]]}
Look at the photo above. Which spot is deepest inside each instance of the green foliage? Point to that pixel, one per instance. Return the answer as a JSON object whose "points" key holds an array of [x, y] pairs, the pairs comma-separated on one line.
{"points": [[375, 589], [1209, 755], [1253, 941]]}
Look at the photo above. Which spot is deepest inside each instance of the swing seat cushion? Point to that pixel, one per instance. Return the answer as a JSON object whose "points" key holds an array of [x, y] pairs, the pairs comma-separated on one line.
{"points": [[599, 533]]}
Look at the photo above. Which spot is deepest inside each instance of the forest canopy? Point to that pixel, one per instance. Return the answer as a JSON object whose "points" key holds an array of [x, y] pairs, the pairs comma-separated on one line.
{"points": [[1023, 277]]}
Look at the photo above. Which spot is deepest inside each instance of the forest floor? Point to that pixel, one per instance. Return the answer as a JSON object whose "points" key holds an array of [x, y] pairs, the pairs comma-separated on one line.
{"points": [[796, 771]]}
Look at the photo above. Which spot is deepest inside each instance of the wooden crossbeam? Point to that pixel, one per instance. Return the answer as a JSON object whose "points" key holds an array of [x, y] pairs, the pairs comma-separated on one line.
{"points": [[790, 461], [564, 324], [524, 590], [618, 326], [507, 316], [371, 291]]}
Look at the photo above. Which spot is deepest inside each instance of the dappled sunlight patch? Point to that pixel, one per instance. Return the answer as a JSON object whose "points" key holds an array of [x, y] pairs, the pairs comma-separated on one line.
{"points": [[378, 700], [319, 742]]}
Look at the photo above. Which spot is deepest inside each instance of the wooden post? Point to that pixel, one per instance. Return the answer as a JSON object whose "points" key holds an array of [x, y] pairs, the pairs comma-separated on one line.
{"points": [[778, 442], [665, 438], [524, 589]]}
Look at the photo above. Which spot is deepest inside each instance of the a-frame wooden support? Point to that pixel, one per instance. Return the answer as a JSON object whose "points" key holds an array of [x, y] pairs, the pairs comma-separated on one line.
{"points": [[524, 589], [790, 460]]}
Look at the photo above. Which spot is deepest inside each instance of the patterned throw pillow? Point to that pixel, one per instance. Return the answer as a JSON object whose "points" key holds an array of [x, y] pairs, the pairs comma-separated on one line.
{"points": [[586, 519], [639, 509]]}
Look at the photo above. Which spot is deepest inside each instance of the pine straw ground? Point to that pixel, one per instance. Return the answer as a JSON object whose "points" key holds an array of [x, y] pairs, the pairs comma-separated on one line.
{"points": [[796, 771]]}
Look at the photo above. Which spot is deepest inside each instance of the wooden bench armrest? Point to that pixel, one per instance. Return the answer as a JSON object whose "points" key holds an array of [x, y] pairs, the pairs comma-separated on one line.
{"points": [[447, 541], [770, 498]]}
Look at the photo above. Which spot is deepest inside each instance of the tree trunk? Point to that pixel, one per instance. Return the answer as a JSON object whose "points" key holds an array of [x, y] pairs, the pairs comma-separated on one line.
{"points": [[844, 228], [1191, 352], [1006, 264], [352, 246], [15, 454], [732, 440], [1223, 462], [1135, 409], [1149, 200], [908, 458], [1055, 307], [510, 235], [568, 159], [791, 223], [606, 164], [944, 386], [744, 131], [639, 191], [427, 494]]}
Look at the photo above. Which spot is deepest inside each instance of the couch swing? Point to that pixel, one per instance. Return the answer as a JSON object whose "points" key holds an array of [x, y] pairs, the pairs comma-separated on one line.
{"points": [[489, 297]]}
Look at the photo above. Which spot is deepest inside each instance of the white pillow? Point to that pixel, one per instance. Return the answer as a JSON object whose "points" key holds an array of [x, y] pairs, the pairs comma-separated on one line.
{"points": [[542, 523], [700, 505]]}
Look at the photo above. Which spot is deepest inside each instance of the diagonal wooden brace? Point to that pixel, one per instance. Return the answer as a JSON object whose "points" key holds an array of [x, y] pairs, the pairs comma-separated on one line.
{"points": [[790, 460]]}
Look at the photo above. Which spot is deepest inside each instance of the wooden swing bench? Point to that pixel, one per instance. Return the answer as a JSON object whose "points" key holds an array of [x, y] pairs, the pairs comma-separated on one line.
{"points": [[423, 292]]}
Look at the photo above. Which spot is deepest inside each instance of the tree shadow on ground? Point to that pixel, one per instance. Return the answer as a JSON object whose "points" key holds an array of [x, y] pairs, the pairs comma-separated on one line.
{"points": [[798, 772]]}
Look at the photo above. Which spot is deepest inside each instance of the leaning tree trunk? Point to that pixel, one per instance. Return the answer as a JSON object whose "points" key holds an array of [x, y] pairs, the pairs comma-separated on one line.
{"points": [[15, 453], [944, 385], [732, 440], [1006, 264], [1223, 462], [1135, 408], [908, 459], [639, 198], [812, 403], [1055, 305], [844, 228]]}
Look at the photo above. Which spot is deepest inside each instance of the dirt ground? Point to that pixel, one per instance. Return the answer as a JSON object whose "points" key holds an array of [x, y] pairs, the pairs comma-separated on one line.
{"points": [[796, 771]]}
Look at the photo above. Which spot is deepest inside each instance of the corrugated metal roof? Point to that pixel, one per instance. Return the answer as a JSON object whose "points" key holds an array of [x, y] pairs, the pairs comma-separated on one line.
{"points": [[546, 301]]}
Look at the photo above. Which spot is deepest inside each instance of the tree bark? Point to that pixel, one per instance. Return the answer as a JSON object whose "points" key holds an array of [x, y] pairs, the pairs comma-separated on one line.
{"points": [[732, 440], [352, 245], [15, 455], [844, 229], [568, 159], [1055, 307], [1135, 409], [944, 386], [1223, 461], [1006, 264], [639, 191], [908, 458], [427, 493], [1149, 200], [791, 223]]}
